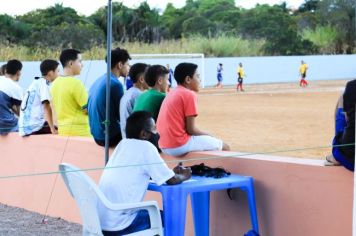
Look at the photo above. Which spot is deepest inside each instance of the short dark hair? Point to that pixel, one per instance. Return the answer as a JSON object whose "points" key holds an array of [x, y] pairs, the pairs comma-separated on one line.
{"points": [[13, 66], [118, 55], [47, 66], [153, 73], [68, 55], [183, 70], [3, 69], [136, 122], [137, 70]]}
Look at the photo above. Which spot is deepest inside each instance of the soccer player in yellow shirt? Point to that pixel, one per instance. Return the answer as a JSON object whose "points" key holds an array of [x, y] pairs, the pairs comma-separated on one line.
{"points": [[303, 73], [240, 77]]}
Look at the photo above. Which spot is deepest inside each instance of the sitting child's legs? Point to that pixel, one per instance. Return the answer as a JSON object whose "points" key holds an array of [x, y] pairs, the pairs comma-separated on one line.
{"points": [[197, 143], [141, 222], [337, 154]]}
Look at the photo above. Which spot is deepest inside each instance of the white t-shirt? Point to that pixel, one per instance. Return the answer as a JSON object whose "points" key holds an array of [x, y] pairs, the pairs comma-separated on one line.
{"points": [[32, 112], [127, 103], [129, 184], [10, 94]]}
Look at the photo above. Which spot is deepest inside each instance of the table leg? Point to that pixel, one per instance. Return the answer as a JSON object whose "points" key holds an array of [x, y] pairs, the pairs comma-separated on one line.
{"points": [[200, 207], [252, 206], [174, 211]]}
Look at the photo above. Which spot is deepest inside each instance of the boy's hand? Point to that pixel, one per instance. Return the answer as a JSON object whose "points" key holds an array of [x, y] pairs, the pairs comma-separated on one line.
{"points": [[54, 131], [185, 173], [181, 174]]}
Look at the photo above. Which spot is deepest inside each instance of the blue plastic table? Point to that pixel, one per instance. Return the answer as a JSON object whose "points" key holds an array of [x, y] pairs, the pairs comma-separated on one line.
{"points": [[174, 199]]}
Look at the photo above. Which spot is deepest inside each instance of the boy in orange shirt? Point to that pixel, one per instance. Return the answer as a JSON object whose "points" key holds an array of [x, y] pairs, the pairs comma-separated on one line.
{"points": [[176, 120]]}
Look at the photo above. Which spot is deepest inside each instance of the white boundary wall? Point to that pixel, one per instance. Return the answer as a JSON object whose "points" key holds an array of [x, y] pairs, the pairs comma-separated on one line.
{"points": [[258, 69]]}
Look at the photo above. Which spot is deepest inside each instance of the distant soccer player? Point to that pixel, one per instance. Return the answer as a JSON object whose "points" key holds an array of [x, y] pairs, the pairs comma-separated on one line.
{"points": [[170, 75], [219, 76], [240, 77], [303, 73]]}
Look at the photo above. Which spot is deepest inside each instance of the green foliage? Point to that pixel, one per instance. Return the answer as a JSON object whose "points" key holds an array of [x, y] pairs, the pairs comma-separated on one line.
{"points": [[12, 30], [324, 37], [341, 15], [60, 27], [216, 46], [213, 27]]}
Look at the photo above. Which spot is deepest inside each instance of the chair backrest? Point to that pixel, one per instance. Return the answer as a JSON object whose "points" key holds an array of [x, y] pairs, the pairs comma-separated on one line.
{"points": [[86, 194]]}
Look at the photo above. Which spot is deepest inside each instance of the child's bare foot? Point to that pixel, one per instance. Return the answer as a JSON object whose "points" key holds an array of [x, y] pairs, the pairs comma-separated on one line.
{"points": [[331, 161]]}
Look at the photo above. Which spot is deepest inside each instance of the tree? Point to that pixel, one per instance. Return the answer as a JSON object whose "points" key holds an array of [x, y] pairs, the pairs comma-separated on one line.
{"points": [[324, 37], [12, 30], [59, 26], [198, 25], [341, 15], [276, 25]]}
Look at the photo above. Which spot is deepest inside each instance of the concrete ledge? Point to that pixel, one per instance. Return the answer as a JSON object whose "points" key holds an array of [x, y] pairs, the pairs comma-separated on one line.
{"points": [[294, 196]]}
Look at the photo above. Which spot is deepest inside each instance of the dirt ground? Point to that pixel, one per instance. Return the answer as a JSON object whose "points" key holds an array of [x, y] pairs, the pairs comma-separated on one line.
{"points": [[264, 118], [17, 221], [273, 117]]}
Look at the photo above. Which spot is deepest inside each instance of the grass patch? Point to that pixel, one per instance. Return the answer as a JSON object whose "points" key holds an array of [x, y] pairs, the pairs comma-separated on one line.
{"points": [[221, 46]]}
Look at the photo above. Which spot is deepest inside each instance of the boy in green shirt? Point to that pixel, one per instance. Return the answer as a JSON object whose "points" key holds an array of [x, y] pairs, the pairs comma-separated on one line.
{"points": [[151, 100]]}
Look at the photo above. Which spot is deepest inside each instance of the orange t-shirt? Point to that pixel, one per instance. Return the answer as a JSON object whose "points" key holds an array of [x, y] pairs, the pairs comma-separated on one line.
{"points": [[178, 104]]}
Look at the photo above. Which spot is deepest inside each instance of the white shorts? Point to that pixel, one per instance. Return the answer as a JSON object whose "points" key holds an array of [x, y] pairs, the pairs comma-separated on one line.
{"points": [[196, 143]]}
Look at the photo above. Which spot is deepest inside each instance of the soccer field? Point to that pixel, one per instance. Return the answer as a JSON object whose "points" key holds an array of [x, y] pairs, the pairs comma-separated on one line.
{"points": [[272, 117]]}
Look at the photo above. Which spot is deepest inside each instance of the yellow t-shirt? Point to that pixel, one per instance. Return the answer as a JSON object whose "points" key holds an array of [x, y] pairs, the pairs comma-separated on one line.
{"points": [[240, 71], [69, 96], [303, 68]]}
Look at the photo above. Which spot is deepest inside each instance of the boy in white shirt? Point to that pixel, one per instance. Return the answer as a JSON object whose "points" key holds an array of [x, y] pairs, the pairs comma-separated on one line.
{"points": [[127, 102], [10, 97], [138, 155], [36, 115]]}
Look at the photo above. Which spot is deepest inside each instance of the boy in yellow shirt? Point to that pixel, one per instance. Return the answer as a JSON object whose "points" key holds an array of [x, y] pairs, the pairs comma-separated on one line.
{"points": [[240, 77], [303, 73], [70, 97]]}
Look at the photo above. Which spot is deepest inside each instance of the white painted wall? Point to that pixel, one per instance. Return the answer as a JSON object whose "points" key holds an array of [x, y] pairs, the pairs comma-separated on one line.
{"points": [[258, 69]]}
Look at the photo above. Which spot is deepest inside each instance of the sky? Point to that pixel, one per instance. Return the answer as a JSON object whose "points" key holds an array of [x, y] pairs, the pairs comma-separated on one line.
{"points": [[87, 7]]}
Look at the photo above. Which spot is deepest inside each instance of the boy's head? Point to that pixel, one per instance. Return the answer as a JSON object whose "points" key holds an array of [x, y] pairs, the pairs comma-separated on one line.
{"points": [[120, 61], [302, 62], [49, 69], [3, 69], [240, 64], [71, 59], [140, 125], [187, 76], [157, 76], [13, 68], [220, 64], [137, 75]]}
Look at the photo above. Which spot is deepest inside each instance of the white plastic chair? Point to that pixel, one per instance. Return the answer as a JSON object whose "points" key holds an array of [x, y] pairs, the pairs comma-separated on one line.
{"points": [[87, 194]]}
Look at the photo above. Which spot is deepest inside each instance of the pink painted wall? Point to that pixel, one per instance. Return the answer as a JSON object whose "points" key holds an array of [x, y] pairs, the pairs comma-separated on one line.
{"points": [[294, 196]]}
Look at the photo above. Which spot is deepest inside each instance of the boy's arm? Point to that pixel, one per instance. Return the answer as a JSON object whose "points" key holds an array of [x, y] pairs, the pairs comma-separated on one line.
{"points": [[49, 116], [191, 127], [181, 174], [16, 109]]}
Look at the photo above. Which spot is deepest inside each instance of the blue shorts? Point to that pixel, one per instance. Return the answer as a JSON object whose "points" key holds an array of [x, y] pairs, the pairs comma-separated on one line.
{"points": [[220, 78], [8, 129], [340, 124], [141, 222]]}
